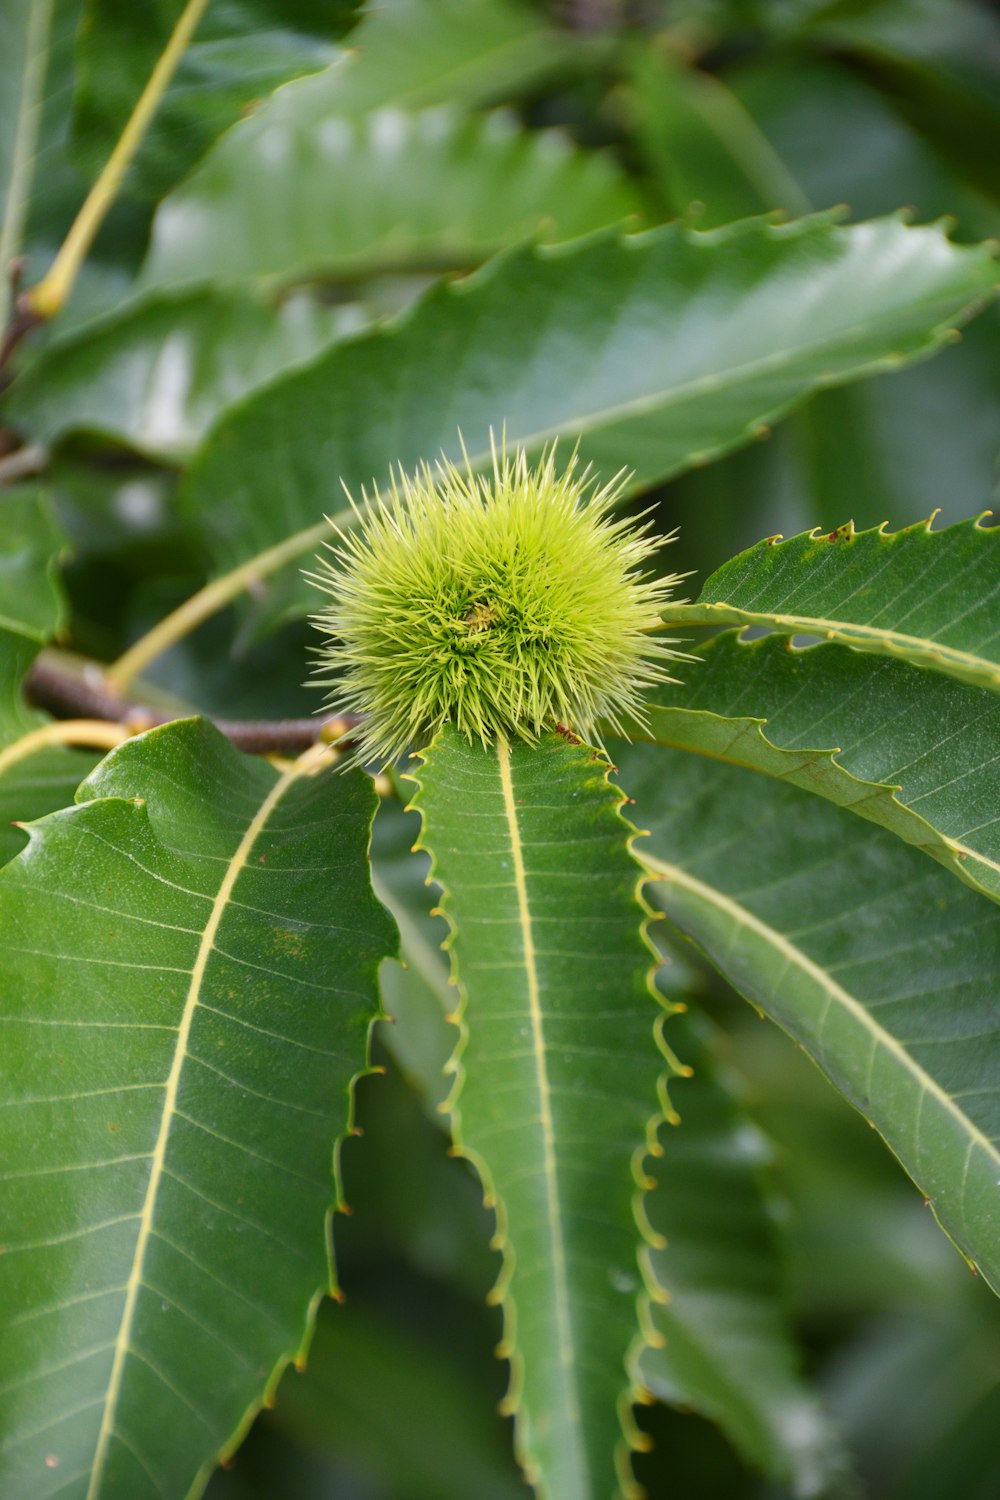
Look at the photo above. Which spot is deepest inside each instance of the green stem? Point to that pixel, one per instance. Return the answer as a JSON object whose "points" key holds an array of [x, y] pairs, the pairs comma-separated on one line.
{"points": [[53, 291], [214, 597], [95, 734]]}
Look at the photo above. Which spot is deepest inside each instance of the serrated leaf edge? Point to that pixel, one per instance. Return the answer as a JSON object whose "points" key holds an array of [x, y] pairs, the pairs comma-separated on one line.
{"points": [[300, 542], [445, 126], [959, 859], [665, 872], [919, 651], [634, 1392], [299, 1356], [312, 762]]}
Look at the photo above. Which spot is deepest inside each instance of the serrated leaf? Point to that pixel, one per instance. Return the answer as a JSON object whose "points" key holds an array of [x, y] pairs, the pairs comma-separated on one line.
{"points": [[156, 373], [910, 750], [173, 1086], [557, 1087], [389, 191], [660, 351], [240, 52], [728, 1351], [892, 593], [880, 964]]}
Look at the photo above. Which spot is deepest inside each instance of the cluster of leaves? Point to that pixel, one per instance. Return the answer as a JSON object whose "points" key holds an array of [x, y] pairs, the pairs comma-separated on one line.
{"points": [[345, 240]]}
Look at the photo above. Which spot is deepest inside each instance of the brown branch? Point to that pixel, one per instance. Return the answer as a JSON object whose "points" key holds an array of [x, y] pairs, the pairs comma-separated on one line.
{"points": [[74, 694]]}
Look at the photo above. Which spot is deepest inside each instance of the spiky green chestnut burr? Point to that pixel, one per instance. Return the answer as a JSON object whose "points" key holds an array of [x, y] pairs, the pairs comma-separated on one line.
{"points": [[503, 604]]}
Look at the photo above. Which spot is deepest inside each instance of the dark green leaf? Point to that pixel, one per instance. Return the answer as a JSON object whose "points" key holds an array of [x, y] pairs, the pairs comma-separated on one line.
{"points": [[659, 351], [33, 780], [372, 1383], [908, 749], [891, 593], [173, 1085], [418, 993], [35, 59], [31, 602], [707, 152], [557, 1090], [727, 1350], [414, 53], [880, 964]]}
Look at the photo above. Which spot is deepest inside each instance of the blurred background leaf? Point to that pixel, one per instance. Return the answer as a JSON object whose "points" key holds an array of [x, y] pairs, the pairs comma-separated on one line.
{"points": [[241, 52]]}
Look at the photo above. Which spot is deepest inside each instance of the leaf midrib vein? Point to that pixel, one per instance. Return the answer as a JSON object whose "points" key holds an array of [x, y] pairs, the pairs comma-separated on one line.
{"points": [[567, 1351], [135, 1281], [918, 645]]}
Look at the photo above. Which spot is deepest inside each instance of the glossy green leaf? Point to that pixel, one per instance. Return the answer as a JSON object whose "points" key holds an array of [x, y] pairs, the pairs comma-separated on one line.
{"points": [[844, 143], [659, 351], [241, 51], [727, 1349], [557, 1078], [156, 373], [881, 965], [908, 749], [876, 162], [891, 593], [390, 191], [729, 1352], [189, 980], [940, 78]]}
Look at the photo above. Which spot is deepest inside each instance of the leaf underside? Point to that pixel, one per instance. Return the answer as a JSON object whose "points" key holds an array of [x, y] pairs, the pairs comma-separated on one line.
{"points": [[173, 1087], [558, 1078]]}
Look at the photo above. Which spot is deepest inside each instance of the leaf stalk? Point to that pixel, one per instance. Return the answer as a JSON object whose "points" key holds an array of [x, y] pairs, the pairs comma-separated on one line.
{"points": [[53, 291]]}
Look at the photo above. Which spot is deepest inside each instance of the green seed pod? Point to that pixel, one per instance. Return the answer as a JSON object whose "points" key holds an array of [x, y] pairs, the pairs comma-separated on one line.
{"points": [[505, 604]]}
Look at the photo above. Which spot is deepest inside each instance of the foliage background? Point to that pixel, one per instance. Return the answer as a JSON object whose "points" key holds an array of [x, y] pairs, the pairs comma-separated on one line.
{"points": [[711, 111]]}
